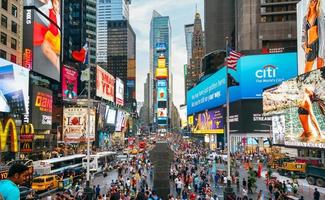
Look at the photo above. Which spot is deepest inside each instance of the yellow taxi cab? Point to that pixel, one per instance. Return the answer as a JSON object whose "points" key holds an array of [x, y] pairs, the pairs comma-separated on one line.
{"points": [[47, 182], [134, 151]]}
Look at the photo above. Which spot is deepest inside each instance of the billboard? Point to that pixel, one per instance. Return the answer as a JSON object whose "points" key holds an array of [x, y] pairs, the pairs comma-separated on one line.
{"points": [[41, 107], [75, 126], [301, 100], [119, 120], [162, 94], [69, 83], [161, 47], [209, 122], [41, 52], [119, 98], [310, 37], [183, 115], [110, 115], [161, 83], [278, 129], [14, 98], [161, 112], [161, 62], [161, 73], [104, 84]]}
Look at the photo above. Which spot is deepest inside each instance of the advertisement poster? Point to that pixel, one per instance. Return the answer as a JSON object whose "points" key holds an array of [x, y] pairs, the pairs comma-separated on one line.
{"points": [[161, 62], [119, 121], [162, 112], [162, 73], [13, 97], [162, 94], [75, 126], [209, 122], [310, 36], [119, 92], [42, 102], [301, 101], [161, 83], [46, 46], [104, 84], [183, 115], [69, 83], [278, 129], [110, 115]]}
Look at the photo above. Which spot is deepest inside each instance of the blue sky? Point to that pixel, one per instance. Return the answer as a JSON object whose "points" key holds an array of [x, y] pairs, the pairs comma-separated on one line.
{"points": [[180, 12]]}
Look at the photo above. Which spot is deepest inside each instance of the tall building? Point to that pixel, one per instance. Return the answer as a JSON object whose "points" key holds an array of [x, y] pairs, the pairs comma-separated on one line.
{"points": [[108, 10], [79, 27], [219, 22], [121, 41], [11, 38], [189, 29], [194, 68], [160, 44], [266, 24]]}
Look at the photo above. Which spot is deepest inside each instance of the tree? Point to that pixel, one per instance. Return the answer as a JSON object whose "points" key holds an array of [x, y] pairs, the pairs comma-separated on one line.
{"points": [[252, 177]]}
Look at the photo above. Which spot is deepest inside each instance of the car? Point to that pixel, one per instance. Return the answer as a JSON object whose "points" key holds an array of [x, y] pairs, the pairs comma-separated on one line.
{"points": [[134, 151], [24, 191], [46, 182]]}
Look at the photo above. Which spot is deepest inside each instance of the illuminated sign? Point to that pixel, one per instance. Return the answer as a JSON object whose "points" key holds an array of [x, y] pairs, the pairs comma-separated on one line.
{"points": [[161, 73], [104, 84], [42, 108], [26, 138], [161, 62], [8, 128]]}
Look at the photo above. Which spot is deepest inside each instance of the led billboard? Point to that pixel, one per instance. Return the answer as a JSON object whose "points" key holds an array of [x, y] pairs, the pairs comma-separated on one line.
{"points": [[161, 112], [119, 98], [14, 98], [161, 83], [161, 73], [310, 37], [209, 122], [104, 84], [119, 120], [162, 94], [69, 83], [301, 101], [110, 115], [161, 62]]}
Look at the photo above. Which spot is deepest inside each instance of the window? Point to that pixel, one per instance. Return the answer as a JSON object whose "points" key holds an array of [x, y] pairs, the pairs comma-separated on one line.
{"points": [[14, 10], [4, 38], [13, 58], [4, 20], [4, 4], [13, 43], [3, 54], [13, 26]]}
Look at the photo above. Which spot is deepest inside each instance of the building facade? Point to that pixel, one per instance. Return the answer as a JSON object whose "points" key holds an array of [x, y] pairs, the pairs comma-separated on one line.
{"points": [[121, 53], [11, 34], [108, 10], [219, 22], [198, 50], [265, 24], [189, 29]]}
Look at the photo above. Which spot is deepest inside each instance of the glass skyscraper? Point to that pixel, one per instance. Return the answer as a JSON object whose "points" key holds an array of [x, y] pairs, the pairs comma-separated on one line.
{"points": [[108, 10]]}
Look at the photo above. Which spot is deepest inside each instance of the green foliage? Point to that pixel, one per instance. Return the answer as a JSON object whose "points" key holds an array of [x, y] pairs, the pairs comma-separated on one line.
{"points": [[269, 172], [252, 177]]}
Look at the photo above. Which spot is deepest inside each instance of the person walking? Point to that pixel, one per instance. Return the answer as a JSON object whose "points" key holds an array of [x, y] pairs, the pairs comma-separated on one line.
{"points": [[17, 175], [316, 194], [97, 191]]}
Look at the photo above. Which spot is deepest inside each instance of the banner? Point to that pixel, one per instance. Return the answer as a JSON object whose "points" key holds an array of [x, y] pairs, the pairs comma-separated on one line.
{"points": [[110, 115], [161, 62], [161, 83], [69, 83], [310, 38], [162, 112], [301, 101], [26, 138], [162, 94], [119, 120], [119, 98], [41, 108], [161, 73], [209, 122], [75, 124], [8, 128], [14, 87], [104, 84]]}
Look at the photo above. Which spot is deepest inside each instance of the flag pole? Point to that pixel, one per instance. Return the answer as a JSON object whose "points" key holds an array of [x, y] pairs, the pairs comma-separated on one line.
{"points": [[88, 124], [228, 124]]}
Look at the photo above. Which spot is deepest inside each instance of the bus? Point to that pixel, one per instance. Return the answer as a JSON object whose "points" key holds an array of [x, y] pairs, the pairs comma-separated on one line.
{"points": [[99, 161], [58, 165]]}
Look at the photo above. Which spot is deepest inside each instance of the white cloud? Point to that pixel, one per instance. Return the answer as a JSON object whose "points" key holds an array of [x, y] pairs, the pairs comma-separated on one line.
{"points": [[181, 12]]}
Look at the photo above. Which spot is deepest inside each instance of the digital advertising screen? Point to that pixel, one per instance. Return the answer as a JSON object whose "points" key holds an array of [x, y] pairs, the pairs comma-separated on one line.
{"points": [[161, 73], [69, 83], [183, 115], [110, 115], [119, 98], [209, 122], [119, 121], [14, 98], [310, 37], [41, 107], [75, 124], [161, 62], [278, 129], [160, 47], [162, 112], [104, 84], [41, 52], [162, 94], [161, 83], [301, 101]]}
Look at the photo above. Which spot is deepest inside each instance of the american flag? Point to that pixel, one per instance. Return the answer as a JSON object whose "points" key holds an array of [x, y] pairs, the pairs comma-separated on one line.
{"points": [[232, 59]]}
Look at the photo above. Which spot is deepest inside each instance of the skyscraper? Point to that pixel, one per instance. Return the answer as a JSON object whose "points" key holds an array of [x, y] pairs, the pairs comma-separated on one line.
{"points": [[121, 41], [160, 43], [189, 29], [194, 68], [79, 28], [108, 10]]}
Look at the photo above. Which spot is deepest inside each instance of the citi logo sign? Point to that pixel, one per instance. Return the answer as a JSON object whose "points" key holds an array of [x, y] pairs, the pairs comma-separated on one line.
{"points": [[268, 71]]}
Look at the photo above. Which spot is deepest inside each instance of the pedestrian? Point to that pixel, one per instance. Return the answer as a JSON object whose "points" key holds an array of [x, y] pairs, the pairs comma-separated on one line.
{"points": [[244, 183], [97, 191], [316, 194], [301, 197], [260, 195], [270, 188], [17, 175]]}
